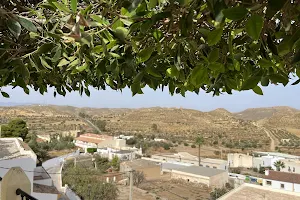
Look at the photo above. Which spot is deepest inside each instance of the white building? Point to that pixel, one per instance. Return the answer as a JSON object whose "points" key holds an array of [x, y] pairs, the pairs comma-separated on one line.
{"points": [[211, 177], [282, 180], [239, 160], [15, 153], [186, 158], [110, 153], [248, 161], [292, 166], [90, 140], [125, 137]]}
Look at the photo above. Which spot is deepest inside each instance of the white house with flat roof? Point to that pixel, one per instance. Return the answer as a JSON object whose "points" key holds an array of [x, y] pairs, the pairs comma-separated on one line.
{"points": [[186, 158], [214, 178], [15, 153]]}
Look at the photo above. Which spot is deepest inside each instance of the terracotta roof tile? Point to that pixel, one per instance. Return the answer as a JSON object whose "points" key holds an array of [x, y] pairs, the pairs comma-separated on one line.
{"points": [[283, 176]]}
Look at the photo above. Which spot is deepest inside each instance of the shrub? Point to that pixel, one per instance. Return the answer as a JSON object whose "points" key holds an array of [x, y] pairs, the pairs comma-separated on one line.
{"points": [[166, 146], [236, 170], [91, 150], [186, 144], [193, 146], [255, 169]]}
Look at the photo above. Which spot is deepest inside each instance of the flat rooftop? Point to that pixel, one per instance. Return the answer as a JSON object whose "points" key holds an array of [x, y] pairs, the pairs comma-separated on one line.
{"points": [[140, 163], [257, 192], [10, 148], [283, 155], [202, 171]]}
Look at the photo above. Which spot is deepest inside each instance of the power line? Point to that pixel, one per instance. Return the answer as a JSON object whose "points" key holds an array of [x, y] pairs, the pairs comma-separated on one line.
{"points": [[110, 175]]}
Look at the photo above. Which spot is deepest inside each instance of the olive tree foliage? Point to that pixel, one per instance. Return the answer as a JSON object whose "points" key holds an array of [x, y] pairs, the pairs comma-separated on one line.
{"points": [[183, 45]]}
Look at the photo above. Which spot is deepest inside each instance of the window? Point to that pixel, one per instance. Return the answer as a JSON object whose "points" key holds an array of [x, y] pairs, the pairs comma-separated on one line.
{"points": [[282, 186], [269, 182], [289, 169], [294, 169]]}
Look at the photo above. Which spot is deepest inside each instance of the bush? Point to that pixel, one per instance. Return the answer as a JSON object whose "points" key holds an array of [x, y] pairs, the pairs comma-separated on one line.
{"points": [[193, 146], [255, 169], [236, 170], [131, 141], [166, 146], [91, 150], [186, 144], [217, 153]]}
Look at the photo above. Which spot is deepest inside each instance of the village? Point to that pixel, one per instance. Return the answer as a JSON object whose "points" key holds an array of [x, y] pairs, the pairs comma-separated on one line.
{"points": [[181, 175]]}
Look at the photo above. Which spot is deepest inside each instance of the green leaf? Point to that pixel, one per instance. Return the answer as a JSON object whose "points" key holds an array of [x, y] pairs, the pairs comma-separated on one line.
{"points": [[277, 78], [215, 36], [264, 81], [136, 89], [213, 55], [45, 48], [199, 76], [145, 54], [121, 33], [264, 63], [217, 67], [87, 92], [254, 26], [257, 90], [235, 13], [298, 72], [4, 94], [157, 34], [44, 63], [250, 83], [27, 24], [82, 68], [173, 72], [74, 5], [14, 27], [99, 19], [237, 65], [152, 3], [63, 62], [61, 7]]}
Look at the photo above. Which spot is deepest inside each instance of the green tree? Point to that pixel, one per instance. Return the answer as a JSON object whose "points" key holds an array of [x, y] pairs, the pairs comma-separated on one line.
{"points": [[15, 128], [199, 141], [115, 162], [215, 46], [90, 185], [279, 165]]}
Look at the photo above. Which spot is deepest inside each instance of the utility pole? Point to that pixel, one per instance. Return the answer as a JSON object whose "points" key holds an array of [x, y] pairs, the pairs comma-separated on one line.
{"points": [[131, 184]]}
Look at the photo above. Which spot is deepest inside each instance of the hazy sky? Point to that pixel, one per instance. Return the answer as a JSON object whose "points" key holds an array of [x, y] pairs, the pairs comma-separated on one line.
{"points": [[273, 96]]}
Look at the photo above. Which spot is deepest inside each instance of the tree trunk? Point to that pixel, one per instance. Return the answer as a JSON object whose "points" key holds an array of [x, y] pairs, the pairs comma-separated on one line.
{"points": [[199, 154]]}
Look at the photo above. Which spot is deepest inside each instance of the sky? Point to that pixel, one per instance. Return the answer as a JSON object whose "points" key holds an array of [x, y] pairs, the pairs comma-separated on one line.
{"points": [[238, 101]]}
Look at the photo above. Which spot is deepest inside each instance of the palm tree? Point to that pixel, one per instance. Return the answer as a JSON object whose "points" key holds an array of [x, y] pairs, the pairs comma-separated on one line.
{"points": [[279, 165], [199, 141]]}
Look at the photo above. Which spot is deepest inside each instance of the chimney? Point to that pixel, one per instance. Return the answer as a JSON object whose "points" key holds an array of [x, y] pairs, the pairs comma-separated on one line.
{"points": [[267, 172]]}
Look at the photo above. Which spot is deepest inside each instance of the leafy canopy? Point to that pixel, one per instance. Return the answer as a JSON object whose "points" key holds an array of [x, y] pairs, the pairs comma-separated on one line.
{"points": [[185, 45], [15, 128]]}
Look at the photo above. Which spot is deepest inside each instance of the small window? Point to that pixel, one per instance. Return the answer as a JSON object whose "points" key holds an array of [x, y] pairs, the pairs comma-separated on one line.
{"points": [[282, 186], [214, 167], [269, 182], [225, 167], [294, 169], [207, 166], [289, 169]]}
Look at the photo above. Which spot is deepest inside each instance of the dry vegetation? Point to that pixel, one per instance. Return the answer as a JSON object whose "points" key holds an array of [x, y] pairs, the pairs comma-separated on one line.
{"points": [[219, 127]]}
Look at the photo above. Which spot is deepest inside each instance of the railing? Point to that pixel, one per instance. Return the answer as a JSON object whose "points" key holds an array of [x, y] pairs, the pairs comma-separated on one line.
{"points": [[24, 195]]}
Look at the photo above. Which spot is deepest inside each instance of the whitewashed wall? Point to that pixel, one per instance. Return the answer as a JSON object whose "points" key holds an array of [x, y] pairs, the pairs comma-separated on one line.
{"points": [[296, 187], [44, 196], [276, 185], [27, 164]]}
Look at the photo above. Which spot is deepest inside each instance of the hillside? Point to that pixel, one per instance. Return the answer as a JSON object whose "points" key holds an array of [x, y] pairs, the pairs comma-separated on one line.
{"points": [[217, 126], [273, 117]]}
